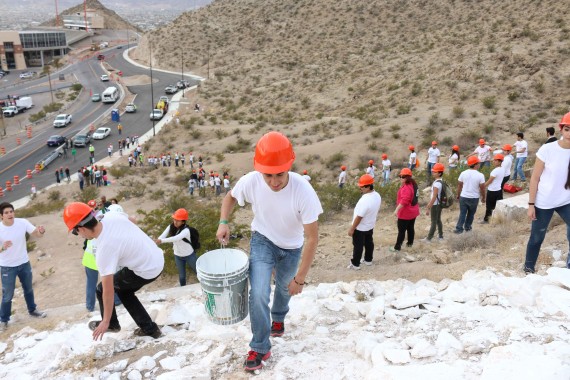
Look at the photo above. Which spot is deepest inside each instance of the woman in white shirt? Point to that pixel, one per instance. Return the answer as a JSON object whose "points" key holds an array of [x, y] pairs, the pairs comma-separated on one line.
{"points": [[413, 157], [386, 167], [178, 233], [549, 191], [454, 157]]}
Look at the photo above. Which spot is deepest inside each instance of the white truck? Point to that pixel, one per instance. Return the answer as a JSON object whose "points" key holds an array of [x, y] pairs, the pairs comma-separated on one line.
{"points": [[22, 104]]}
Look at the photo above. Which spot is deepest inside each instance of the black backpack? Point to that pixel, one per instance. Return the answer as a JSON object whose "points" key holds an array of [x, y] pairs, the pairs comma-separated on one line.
{"points": [[416, 195], [446, 195], [194, 238]]}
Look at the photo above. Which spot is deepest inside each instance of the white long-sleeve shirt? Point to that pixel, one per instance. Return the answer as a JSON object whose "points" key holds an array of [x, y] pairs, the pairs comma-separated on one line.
{"points": [[181, 248]]}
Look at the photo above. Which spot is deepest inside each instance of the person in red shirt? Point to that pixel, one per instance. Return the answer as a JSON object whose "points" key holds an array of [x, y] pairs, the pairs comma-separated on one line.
{"points": [[407, 209]]}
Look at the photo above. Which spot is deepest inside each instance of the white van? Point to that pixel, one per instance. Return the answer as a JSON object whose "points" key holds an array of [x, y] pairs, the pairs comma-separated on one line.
{"points": [[110, 95]]}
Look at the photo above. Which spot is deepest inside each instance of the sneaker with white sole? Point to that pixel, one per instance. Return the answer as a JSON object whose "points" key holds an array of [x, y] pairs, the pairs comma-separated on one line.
{"points": [[255, 360], [38, 314], [369, 263], [353, 267], [425, 240]]}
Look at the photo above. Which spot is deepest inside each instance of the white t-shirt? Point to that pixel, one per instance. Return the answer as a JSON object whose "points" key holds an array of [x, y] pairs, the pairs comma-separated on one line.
{"points": [[367, 207], [412, 160], [437, 185], [307, 177], [484, 153], [386, 164], [453, 159], [217, 181], [226, 183], [279, 216], [471, 179], [181, 248], [507, 164], [122, 243], [498, 174], [519, 145], [17, 254], [551, 192], [433, 155], [342, 177], [370, 170]]}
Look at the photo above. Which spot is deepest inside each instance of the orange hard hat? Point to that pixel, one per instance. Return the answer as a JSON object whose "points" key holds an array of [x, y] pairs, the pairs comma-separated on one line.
{"points": [[74, 213], [455, 147], [343, 167], [405, 171], [411, 147], [92, 203], [434, 142], [370, 162], [439, 168], [473, 160], [305, 171], [365, 180], [565, 120], [180, 214], [499, 157], [273, 154], [384, 156], [507, 147], [481, 141]]}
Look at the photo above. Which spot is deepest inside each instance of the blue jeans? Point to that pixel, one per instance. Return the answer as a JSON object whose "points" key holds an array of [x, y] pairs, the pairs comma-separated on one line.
{"points": [[181, 265], [519, 161], [467, 209], [9, 274], [386, 177], [264, 258], [91, 288], [538, 231], [486, 163], [428, 169]]}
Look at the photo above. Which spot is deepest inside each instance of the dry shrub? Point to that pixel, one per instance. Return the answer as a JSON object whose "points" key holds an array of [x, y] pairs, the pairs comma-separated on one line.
{"points": [[468, 241]]}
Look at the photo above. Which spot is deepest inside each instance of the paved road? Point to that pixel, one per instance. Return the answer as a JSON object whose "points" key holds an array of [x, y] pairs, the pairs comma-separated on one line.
{"points": [[20, 158]]}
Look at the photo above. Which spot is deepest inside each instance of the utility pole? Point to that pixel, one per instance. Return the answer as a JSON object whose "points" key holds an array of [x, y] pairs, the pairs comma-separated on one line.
{"points": [[151, 89], [56, 15], [182, 76], [3, 124]]}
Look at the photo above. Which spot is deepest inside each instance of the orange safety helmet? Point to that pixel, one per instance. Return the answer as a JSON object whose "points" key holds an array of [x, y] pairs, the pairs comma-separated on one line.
{"points": [[481, 141], [434, 142], [343, 167], [180, 214], [499, 157], [92, 203], [405, 172], [273, 154], [365, 180], [455, 147], [411, 147], [473, 160], [384, 156], [305, 171], [565, 120], [74, 213], [507, 147], [370, 162], [438, 168]]}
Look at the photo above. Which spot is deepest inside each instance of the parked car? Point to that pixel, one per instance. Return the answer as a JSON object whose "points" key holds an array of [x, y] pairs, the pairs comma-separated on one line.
{"points": [[120, 47], [104, 78], [27, 74], [4, 72], [62, 120], [182, 84], [81, 140], [156, 114], [172, 89], [96, 98], [100, 57], [131, 108], [55, 140], [101, 133]]}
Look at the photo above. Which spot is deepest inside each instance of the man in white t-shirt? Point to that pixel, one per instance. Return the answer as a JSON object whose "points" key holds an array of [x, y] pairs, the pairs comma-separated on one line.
{"points": [[521, 148], [507, 164], [483, 152], [227, 187], [370, 170], [363, 222], [432, 159], [14, 262], [120, 243], [493, 185], [386, 168], [286, 211], [470, 187], [306, 175], [413, 157], [342, 177]]}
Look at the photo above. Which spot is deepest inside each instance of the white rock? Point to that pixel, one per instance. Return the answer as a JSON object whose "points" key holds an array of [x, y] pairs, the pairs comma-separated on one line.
{"points": [[478, 341], [173, 314], [124, 345], [23, 343], [554, 299], [446, 342], [145, 363], [559, 264], [171, 363], [134, 375], [41, 335], [155, 297], [364, 290], [397, 356], [117, 366], [187, 373], [423, 349], [513, 208], [322, 330], [3, 347], [333, 305], [104, 351], [159, 354], [559, 276], [405, 302], [556, 254], [376, 309]]}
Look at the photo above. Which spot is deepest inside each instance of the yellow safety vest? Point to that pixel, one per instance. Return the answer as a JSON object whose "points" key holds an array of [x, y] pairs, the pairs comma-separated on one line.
{"points": [[89, 257]]}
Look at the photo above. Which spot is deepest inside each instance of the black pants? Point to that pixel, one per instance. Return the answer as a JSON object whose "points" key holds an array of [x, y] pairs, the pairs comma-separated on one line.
{"points": [[403, 227], [362, 240], [126, 283], [491, 202], [435, 213]]}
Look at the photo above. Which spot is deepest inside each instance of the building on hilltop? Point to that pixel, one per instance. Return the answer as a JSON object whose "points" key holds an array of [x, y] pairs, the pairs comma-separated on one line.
{"points": [[87, 20], [22, 49]]}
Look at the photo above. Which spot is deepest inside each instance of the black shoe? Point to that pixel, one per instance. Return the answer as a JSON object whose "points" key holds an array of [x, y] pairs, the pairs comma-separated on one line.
{"points": [[528, 270], [155, 334], [255, 360], [457, 232], [277, 328], [38, 314], [94, 324]]}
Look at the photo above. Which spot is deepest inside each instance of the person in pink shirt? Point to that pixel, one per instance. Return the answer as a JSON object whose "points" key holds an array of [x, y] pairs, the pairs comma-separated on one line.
{"points": [[407, 209]]}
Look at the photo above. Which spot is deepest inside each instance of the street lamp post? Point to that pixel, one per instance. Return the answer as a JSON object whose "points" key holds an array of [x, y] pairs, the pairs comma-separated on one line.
{"points": [[182, 76], [151, 90]]}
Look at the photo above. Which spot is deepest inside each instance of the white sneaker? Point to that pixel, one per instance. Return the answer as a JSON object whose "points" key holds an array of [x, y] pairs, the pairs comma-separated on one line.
{"points": [[425, 240], [369, 263], [350, 266], [440, 240], [3, 326]]}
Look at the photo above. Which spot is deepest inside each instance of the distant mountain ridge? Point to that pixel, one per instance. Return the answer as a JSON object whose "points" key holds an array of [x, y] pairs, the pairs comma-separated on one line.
{"points": [[111, 4]]}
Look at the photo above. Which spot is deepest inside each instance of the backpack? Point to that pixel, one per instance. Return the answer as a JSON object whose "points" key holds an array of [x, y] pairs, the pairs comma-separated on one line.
{"points": [[446, 196], [416, 195], [194, 238]]}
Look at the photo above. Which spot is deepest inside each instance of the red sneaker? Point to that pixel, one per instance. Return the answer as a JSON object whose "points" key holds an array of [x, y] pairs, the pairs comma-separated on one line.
{"points": [[277, 328], [255, 360]]}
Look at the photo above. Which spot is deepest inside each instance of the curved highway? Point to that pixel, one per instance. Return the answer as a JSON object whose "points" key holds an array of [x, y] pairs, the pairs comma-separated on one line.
{"points": [[18, 159]]}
